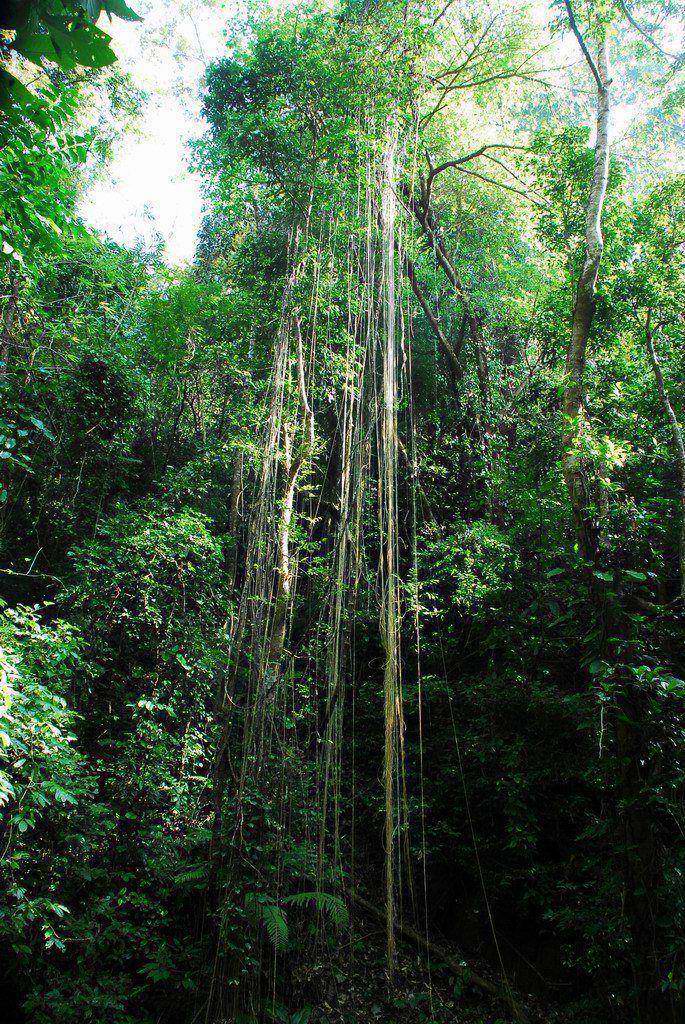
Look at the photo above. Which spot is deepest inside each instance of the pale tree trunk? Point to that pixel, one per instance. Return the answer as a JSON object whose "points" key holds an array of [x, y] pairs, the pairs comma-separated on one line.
{"points": [[390, 614], [642, 865], [233, 519], [292, 466], [677, 441], [578, 479], [284, 574]]}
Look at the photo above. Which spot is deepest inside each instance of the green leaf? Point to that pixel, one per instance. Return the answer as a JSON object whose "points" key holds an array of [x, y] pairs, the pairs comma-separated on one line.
{"points": [[92, 8], [34, 46], [19, 93], [121, 9], [49, 223], [302, 1016], [88, 46], [39, 425]]}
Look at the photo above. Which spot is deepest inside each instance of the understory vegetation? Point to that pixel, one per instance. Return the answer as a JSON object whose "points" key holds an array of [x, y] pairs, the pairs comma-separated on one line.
{"points": [[342, 571]]}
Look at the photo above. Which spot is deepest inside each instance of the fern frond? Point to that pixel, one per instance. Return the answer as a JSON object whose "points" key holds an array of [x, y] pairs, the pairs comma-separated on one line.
{"points": [[193, 874], [262, 910], [324, 903], [276, 925]]}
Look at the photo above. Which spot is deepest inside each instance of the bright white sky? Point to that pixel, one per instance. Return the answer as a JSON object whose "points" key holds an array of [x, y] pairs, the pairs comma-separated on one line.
{"points": [[147, 190]]}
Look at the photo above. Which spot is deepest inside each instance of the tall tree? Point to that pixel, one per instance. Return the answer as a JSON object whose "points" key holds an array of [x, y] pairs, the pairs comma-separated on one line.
{"points": [[581, 480]]}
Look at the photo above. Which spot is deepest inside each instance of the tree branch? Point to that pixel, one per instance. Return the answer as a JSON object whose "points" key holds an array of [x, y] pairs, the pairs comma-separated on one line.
{"points": [[581, 43], [449, 349], [433, 172]]}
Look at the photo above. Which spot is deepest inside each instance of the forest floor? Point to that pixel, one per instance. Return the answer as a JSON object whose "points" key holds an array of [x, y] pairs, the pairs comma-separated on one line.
{"points": [[352, 987]]}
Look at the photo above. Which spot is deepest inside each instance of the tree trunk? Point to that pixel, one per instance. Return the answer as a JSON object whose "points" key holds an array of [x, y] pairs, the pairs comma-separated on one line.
{"points": [[284, 577], [390, 611], [233, 515], [643, 863], [677, 441], [293, 465], [451, 351], [637, 837], [424, 217], [577, 476]]}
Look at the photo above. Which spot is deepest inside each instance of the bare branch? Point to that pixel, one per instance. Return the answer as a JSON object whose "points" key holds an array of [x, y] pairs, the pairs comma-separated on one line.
{"points": [[500, 184], [581, 43], [623, 7], [459, 161], [443, 12]]}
